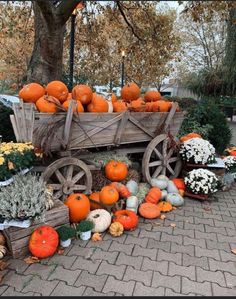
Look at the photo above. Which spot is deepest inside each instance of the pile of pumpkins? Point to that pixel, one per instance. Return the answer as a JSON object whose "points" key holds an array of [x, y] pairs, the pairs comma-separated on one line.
{"points": [[55, 97]]}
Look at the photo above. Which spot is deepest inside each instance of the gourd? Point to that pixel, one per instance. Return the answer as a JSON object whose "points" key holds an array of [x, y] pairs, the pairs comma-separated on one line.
{"points": [[132, 187], [44, 241], [122, 189], [171, 188], [96, 237], [179, 183], [175, 199], [108, 195], [132, 204], [31, 92], [149, 210], [116, 229], [127, 218], [143, 189], [181, 192], [101, 219], [79, 206], [164, 206], [58, 90], [154, 195], [130, 92], [163, 177], [152, 96], [163, 194], [161, 184], [116, 170], [82, 93]]}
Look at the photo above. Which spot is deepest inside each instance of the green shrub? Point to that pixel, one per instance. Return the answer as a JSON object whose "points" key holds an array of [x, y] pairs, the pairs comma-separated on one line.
{"points": [[6, 129], [184, 103]]}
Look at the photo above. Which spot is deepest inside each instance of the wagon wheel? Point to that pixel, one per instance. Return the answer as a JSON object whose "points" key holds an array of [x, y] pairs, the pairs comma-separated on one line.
{"points": [[68, 175], [160, 158]]}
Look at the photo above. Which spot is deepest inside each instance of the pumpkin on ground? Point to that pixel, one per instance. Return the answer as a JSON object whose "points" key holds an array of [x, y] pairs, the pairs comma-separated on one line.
{"points": [[98, 104], [175, 199], [108, 195], [149, 210], [179, 183], [163, 194], [132, 204], [93, 198], [122, 189], [127, 218], [132, 187], [31, 92], [152, 96], [101, 219], [58, 90], [79, 206], [171, 188], [116, 171], [96, 237], [189, 136], [161, 184], [164, 206], [47, 104], [119, 106], [116, 229], [77, 108], [44, 241], [82, 93], [130, 92], [154, 195]]}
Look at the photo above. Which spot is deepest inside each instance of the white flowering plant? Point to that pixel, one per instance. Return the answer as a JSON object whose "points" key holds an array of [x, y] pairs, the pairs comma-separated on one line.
{"points": [[230, 163], [201, 181], [197, 151]]}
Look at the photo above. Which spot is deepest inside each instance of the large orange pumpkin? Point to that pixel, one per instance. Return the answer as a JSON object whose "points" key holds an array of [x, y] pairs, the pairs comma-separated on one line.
{"points": [[179, 183], [58, 90], [108, 195], [189, 136], [31, 92], [138, 105], [130, 92], [79, 206], [119, 106], [82, 93], [43, 241], [78, 108], [152, 96], [127, 218], [47, 104], [154, 195], [116, 171], [149, 210], [94, 197], [98, 104]]}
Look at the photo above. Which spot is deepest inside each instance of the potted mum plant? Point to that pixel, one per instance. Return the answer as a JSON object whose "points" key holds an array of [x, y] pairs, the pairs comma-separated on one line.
{"points": [[84, 228], [66, 233]]}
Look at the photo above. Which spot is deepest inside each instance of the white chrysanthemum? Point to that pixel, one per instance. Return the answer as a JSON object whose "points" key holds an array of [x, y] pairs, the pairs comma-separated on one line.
{"points": [[230, 163]]}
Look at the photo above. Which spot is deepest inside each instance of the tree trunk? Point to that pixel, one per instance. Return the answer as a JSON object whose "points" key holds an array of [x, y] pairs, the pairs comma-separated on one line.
{"points": [[46, 62]]}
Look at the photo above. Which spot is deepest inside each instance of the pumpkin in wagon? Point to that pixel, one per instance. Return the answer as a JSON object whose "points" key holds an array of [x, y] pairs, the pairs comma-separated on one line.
{"points": [[98, 104], [79, 206], [31, 92], [119, 106], [47, 104], [152, 96], [164, 106], [127, 218], [58, 90], [138, 105], [116, 171], [77, 108], [82, 93], [130, 92]]}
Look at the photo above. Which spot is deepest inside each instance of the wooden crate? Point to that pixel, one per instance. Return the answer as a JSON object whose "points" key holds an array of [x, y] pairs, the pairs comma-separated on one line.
{"points": [[18, 238]]}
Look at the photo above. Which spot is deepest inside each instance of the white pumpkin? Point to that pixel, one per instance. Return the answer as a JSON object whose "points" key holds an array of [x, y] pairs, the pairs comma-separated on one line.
{"points": [[163, 177], [101, 219], [163, 194], [171, 188], [161, 184], [175, 199], [132, 204], [132, 187]]}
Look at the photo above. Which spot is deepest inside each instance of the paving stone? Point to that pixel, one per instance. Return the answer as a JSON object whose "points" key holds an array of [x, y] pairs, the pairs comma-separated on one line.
{"points": [[140, 251], [169, 292], [40, 286], [217, 245], [134, 233], [202, 288], [233, 214], [62, 260], [188, 271], [213, 253], [41, 270], [150, 234], [230, 232], [114, 270], [100, 254], [192, 213], [166, 229], [126, 248], [141, 290], [159, 245], [15, 280], [227, 257], [123, 287], [124, 259], [142, 276], [221, 212], [168, 223], [212, 216], [104, 245], [171, 238], [226, 239], [195, 261], [77, 250], [197, 227], [224, 224], [171, 282], [217, 276], [159, 266], [90, 292], [64, 290], [222, 266], [230, 219], [184, 218], [145, 226], [137, 241], [91, 280], [83, 264], [230, 280], [171, 257], [203, 221], [183, 232], [18, 265], [189, 249], [3, 289], [207, 236], [69, 276], [219, 291], [109, 237], [10, 292], [211, 229], [195, 242]]}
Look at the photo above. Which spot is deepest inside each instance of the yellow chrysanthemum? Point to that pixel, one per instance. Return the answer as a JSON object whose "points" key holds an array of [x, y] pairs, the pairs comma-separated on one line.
{"points": [[2, 160]]}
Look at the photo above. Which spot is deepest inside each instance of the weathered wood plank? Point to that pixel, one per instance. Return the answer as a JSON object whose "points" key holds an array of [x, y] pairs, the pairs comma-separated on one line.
{"points": [[68, 122], [121, 127]]}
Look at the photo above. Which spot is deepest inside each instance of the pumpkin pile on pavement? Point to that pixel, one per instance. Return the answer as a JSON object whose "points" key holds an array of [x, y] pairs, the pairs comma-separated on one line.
{"points": [[55, 97]]}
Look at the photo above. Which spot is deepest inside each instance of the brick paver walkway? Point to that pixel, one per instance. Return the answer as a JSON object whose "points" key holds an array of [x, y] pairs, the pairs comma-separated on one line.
{"points": [[193, 258]]}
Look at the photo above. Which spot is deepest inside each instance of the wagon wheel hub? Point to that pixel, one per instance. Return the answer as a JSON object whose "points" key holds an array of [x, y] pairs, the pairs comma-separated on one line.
{"points": [[67, 187]]}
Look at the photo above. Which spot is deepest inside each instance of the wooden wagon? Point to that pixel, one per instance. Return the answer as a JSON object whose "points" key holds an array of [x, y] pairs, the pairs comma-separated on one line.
{"points": [[75, 135]]}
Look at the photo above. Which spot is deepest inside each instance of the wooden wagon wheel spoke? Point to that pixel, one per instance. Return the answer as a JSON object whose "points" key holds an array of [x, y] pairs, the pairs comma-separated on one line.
{"points": [[155, 163], [57, 194], [159, 155], [77, 177], [164, 148], [79, 187], [170, 153], [157, 171], [54, 186], [69, 172], [170, 169], [59, 176], [173, 159]]}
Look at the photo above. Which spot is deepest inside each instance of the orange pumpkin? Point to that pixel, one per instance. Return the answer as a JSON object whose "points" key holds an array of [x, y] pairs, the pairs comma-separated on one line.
{"points": [[164, 206], [47, 104], [43, 241], [31, 92], [189, 136], [164, 106], [149, 210], [108, 195], [116, 171], [94, 197], [138, 105], [122, 189], [149, 106], [82, 93], [98, 104], [58, 90], [155, 106], [119, 106], [127, 218], [233, 153], [130, 92], [78, 108], [113, 98], [154, 195], [79, 206], [69, 97], [181, 192], [179, 183], [152, 96]]}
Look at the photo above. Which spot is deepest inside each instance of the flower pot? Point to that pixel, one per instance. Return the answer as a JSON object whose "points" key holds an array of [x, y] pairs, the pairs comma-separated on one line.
{"points": [[65, 243], [85, 235], [196, 196]]}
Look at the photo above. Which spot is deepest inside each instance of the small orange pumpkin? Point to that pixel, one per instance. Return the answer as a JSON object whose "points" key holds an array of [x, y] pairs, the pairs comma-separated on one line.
{"points": [[47, 104], [154, 195], [113, 98], [155, 106], [138, 105], [116, 171], [122, 189], [94, 197], [82, 93], [127, 218], [149, 107], [69, 97], [119, 106], [130, 92], [79, 206], [165, 206], [152, 96], [108, 195], [164, 106], [78, 108], [233, 153], [58, 90], [98, 104], [179, 183], [189, 136], [31, 92], [149, 210]]}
